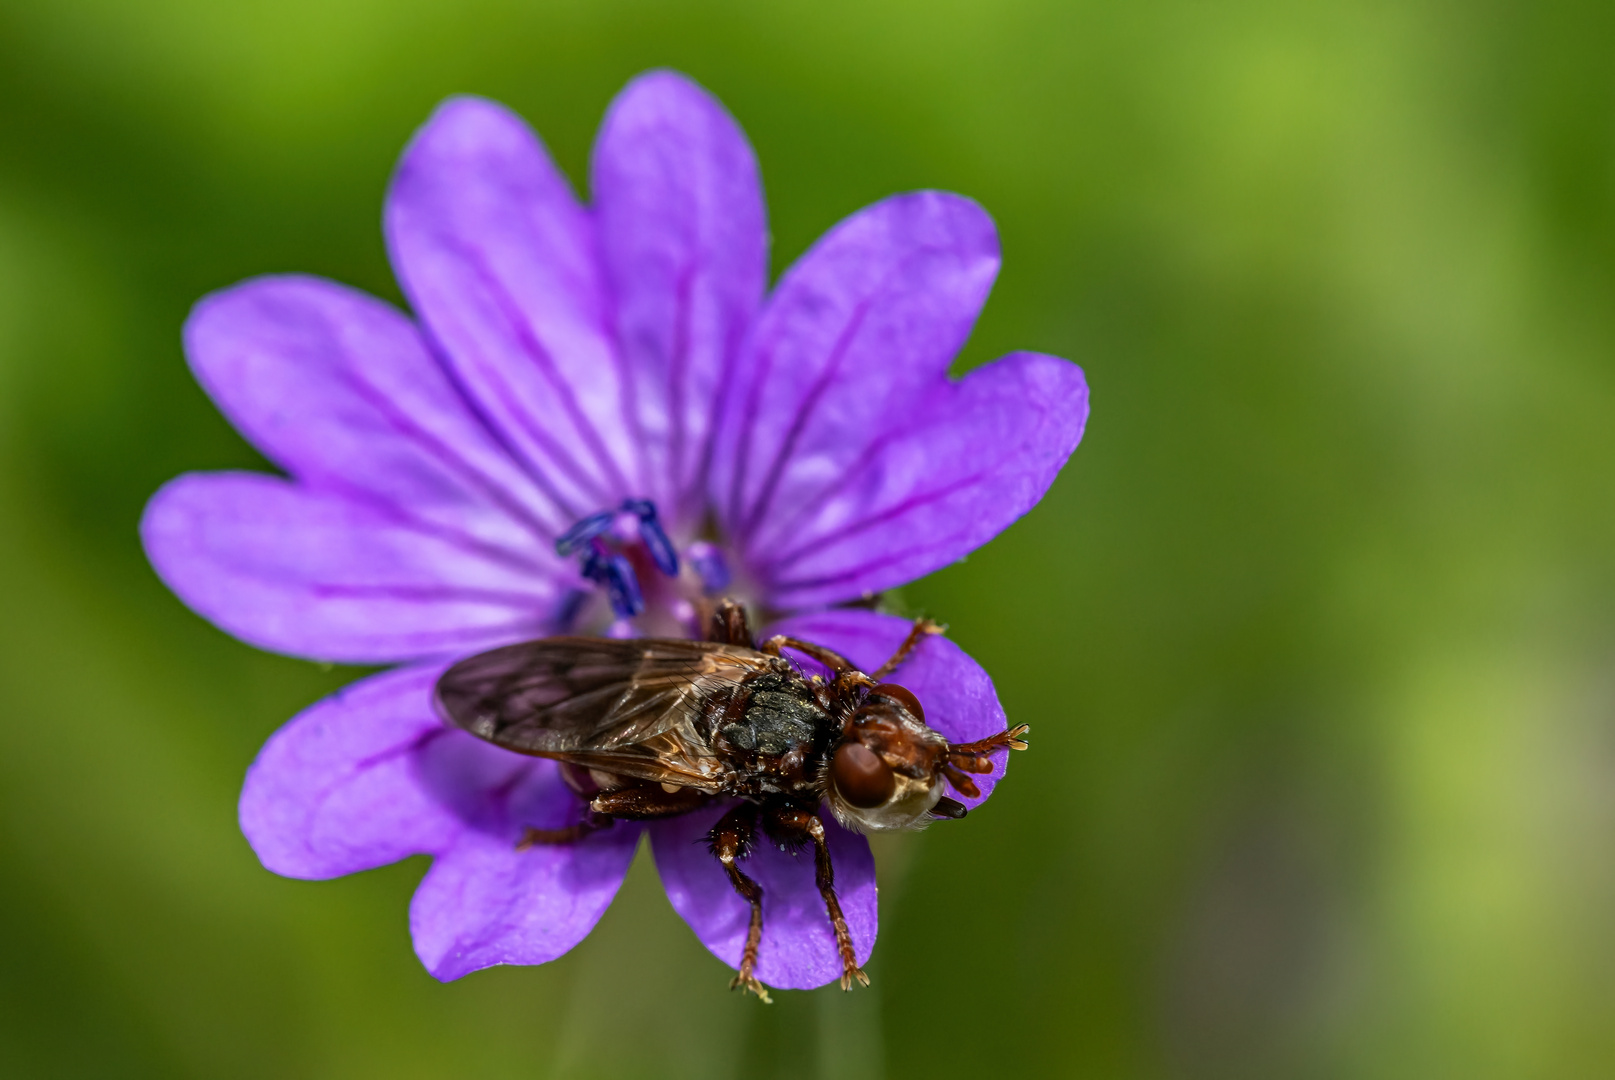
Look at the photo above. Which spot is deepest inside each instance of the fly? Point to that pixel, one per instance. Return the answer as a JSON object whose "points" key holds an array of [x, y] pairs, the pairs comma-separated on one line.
{"points": [[656, 727]]}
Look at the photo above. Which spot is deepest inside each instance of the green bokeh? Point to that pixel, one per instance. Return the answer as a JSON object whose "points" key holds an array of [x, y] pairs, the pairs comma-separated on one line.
{"points": [[1316, 633]]}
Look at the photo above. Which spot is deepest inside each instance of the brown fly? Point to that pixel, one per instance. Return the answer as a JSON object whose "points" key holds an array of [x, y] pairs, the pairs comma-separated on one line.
{"points": [[652, 727]]}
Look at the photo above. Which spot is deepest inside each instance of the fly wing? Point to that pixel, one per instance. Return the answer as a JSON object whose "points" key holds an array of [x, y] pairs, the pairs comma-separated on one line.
{"points": [[632, 707]]}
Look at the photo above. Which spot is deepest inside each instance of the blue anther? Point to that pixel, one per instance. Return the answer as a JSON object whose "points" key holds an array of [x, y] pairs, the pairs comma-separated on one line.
{"points": [[622, 586], [710, 564], [654, 536], [617, 574], [584, 531], [603, 565]]}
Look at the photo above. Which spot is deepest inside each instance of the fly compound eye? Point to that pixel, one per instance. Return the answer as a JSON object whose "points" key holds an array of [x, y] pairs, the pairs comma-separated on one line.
{"points": [[861, 777], [902, 696]]}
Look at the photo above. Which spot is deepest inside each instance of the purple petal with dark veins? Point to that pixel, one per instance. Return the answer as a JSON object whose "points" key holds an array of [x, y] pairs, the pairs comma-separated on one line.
{"points": [[501, 264], [798, 950], [339, 389], [342, 788], [847, 462], [867, 319], [684, 240], [369, 776], [969, 459], [324, 577], [955, 692], [485, 902]]}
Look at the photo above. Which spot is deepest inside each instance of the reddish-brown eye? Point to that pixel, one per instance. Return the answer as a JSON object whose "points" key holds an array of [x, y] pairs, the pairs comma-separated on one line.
{"points": [[861, 777], [901, 695]]}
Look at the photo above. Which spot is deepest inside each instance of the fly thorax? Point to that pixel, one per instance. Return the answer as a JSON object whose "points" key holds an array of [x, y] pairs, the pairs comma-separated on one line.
{"points": [[776, 722]]}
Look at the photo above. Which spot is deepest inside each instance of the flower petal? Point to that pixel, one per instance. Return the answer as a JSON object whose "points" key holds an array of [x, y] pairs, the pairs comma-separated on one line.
{"points": [[318, 575], [339, 389], [342, 788], [499, 261], [868, 318], [370, 775], [798, 949], [485, 902], [847, 461], [969, 458], [683, 235], [956, 693]]}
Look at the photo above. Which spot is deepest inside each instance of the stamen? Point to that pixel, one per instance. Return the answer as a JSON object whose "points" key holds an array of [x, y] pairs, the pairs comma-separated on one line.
{"points": [[653, 535], [710, 564], [577, 536], [616, 573], [601, 538]]}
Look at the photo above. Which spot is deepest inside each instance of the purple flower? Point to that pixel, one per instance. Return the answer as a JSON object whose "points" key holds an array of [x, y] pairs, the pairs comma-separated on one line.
{"points": [[619, 378]]}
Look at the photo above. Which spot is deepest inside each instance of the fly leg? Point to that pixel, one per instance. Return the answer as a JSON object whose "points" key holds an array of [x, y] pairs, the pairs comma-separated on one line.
{"points": [[729, 625], [789, 823], [975, 757], [1013, 739], [731, 840], [647, 801], [837, 663], [569, 834], [922, 629], [638, 803]]}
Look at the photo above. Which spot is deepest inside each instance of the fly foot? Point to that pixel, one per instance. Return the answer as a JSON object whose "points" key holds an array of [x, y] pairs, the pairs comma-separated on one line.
{"points": [[745, 980]]}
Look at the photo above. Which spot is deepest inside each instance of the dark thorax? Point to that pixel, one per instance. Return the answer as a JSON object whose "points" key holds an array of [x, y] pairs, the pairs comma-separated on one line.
{"points": [[773, 734]]}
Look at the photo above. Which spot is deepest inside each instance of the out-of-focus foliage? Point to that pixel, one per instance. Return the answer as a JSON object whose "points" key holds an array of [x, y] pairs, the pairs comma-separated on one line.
{"points": [[1315, 633]]}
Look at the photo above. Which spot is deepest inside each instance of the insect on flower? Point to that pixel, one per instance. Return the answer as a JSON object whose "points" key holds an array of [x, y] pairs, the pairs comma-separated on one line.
{"points": [[601, 418], [654, 728]]}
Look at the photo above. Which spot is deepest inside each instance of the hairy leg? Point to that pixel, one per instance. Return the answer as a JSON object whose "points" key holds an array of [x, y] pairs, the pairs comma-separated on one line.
{"points": [[837, 663], [570, 834], [637, 803], [730, 626], [731, 840], [792, 822], [922, 629], [976, 757], [643, 802], [1012, 739]]}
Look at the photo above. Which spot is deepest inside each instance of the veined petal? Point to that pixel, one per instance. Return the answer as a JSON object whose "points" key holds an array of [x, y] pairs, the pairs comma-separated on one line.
{"points": [[339, 389], [798, 949], [322, 576], [966, 460], [683, 235], [364, 778], [500, 263], [369, 776], [485, 902], [956, 693], [857, 331]]}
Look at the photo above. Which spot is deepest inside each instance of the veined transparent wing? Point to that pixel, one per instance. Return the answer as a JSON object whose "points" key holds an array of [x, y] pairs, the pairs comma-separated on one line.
{"points": [[636, 707]]}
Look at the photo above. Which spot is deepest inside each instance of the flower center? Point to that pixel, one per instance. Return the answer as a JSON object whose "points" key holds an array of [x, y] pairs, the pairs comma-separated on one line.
{"points": [[625, 553]]}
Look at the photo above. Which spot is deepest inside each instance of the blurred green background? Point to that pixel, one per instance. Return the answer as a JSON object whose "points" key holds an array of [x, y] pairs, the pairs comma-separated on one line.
{"points": [[1315, 632]]}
